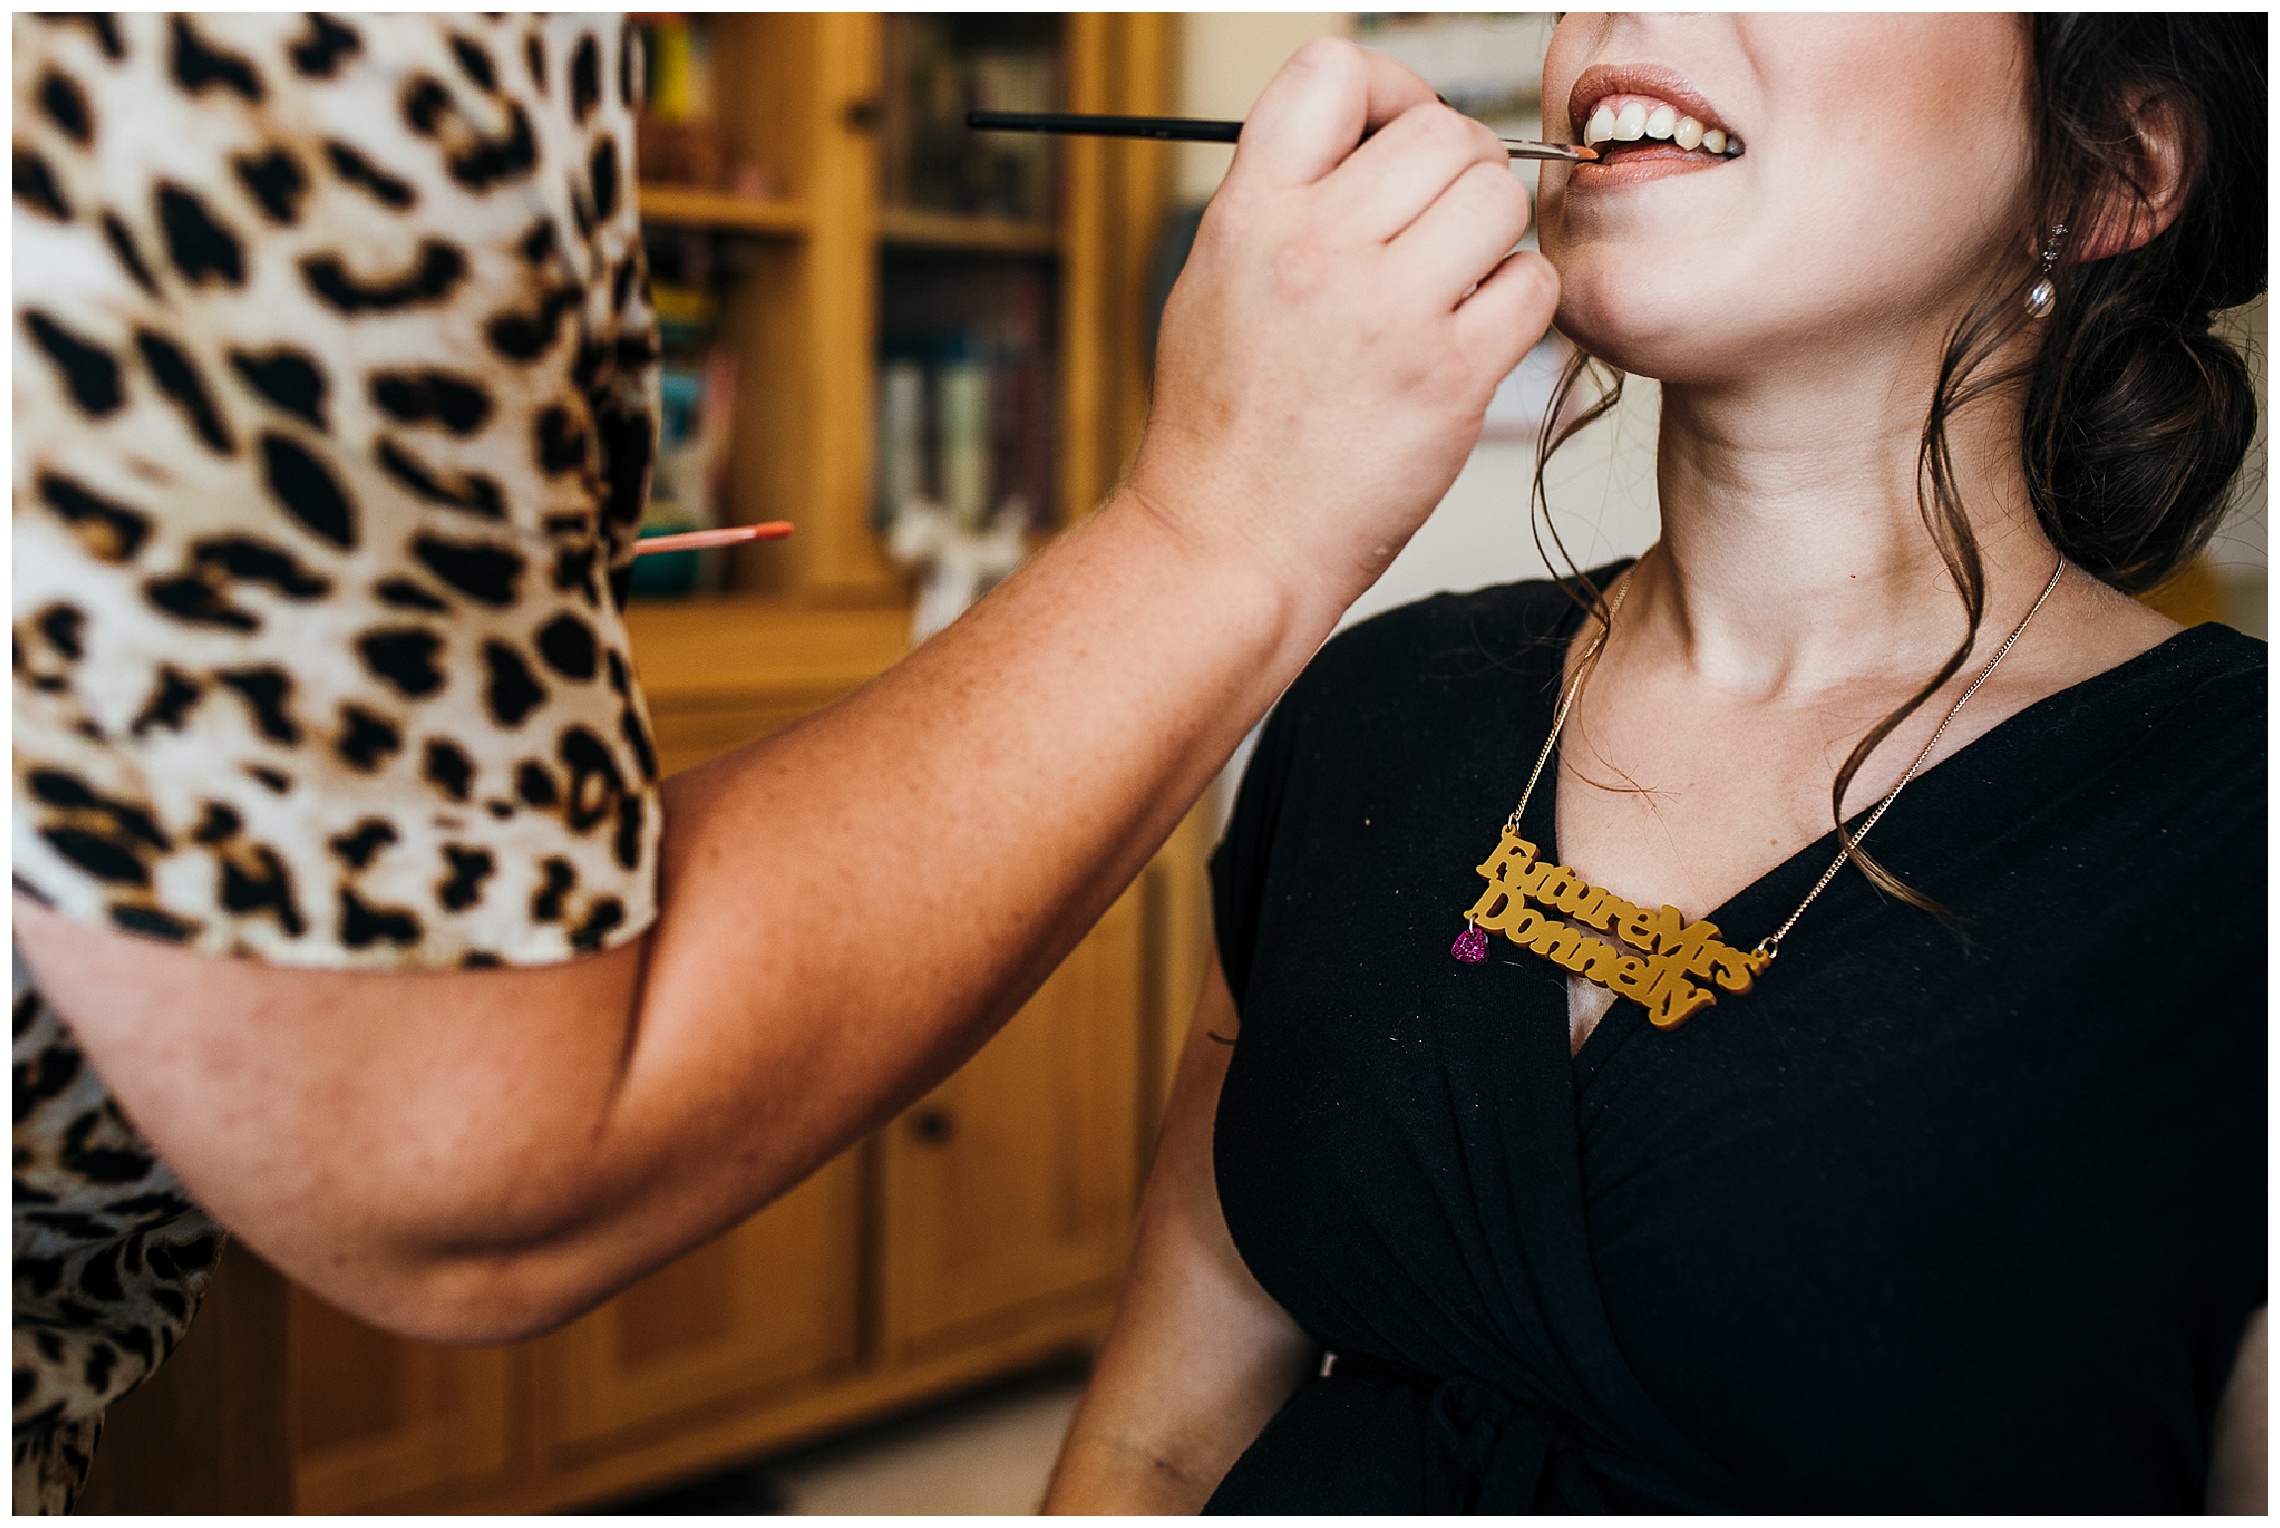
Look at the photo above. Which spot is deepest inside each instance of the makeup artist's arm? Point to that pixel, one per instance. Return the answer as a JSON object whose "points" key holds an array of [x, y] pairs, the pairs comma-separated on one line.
{"points": [[1199, 1357], [851, 907]]}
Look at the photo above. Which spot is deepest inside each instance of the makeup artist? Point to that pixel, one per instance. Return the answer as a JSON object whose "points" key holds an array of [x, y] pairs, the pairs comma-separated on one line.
{"points": [[350, 915]]}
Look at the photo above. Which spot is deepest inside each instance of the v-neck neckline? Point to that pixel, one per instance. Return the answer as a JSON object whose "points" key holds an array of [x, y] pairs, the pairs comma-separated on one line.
{"points": [[1543, 813]]}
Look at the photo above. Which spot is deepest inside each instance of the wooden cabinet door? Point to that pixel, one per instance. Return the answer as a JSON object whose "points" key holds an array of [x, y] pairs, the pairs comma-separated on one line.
{"points": [[211, 1431], [771, 1302], [1013, 1183], [382, 1422]]}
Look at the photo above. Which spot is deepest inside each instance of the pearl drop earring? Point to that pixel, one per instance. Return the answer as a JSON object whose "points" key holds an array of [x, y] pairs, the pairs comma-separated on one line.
{"points": [[2043, 295]]}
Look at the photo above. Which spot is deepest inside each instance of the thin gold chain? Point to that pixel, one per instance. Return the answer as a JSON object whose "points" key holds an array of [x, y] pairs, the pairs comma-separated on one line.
{"points": [[1770, 946], [1582, 672]]}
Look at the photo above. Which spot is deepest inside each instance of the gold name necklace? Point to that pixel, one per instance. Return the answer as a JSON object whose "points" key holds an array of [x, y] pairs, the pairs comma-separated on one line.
{"points": [[1657, 957]]}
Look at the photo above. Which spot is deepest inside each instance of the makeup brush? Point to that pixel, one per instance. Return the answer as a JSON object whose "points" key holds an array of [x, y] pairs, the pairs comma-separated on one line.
{"points": [[727, 535], [1201, 130]]}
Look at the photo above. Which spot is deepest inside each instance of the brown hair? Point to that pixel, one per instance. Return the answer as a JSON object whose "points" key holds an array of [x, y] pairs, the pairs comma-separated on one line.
{"points": [[2137, 416]]}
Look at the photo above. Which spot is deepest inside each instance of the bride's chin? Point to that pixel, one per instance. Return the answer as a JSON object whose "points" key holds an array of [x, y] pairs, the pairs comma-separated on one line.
{"points": [[1659, 325], [1625, 328]]}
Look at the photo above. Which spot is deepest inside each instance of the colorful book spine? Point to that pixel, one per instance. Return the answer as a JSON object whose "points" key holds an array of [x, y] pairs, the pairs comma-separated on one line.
{"points": [[899, 477], [962, 414]]}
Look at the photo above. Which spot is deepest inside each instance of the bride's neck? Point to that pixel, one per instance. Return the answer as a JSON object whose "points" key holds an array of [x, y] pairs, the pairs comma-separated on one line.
{"points": [[1794, 554]]}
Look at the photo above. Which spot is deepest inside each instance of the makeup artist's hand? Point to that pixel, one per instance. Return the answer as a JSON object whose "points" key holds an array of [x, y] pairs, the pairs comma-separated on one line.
{"points": [[1349, 307]]}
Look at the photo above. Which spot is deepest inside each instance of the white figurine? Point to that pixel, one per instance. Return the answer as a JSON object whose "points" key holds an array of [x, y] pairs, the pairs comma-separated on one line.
{"points": [[956, 566]]}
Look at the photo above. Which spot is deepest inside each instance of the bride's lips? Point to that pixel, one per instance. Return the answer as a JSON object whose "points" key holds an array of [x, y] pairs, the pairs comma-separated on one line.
{"points": [[1634, 158]]}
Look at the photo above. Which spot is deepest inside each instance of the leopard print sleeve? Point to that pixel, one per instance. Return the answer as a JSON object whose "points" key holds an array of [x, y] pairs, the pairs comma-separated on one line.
{"points": [[334, 386], [333, 418]]}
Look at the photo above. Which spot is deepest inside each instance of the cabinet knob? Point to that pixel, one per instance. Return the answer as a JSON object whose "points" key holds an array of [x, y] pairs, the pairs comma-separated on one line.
{"points": [[862, 114], [933, 1126]]}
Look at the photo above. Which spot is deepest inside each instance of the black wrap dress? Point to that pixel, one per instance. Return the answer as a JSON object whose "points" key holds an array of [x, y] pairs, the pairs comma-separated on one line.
{"points": [[1923, 1223]]}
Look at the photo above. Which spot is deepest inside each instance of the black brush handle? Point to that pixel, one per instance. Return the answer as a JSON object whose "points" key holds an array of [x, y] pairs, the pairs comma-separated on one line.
{"points": [[1168, 129], [1200, 130]]}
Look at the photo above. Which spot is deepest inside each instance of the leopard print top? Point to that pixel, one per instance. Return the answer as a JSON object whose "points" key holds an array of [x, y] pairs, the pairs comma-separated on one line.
{"points": [[334, 379]]}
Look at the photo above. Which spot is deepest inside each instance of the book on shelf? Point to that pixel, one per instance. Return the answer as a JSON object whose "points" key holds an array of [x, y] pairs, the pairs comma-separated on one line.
{"points": [[678, 52], [696, 420], [938, 68], [954, 506], [900, 476], [678, 139], [962, 428], [959, 427]]}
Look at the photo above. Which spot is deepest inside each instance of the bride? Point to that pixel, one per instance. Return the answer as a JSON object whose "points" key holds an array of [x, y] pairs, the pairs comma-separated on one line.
{"points": [[1838, 1084]]}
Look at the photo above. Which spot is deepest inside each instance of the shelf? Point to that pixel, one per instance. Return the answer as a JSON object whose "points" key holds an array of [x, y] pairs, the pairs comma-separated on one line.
{"points": [[914, 228], [689, 207]]}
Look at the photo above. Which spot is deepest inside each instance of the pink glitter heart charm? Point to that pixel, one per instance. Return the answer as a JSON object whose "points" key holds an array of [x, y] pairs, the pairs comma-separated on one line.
{"points": [[1471, 946]]}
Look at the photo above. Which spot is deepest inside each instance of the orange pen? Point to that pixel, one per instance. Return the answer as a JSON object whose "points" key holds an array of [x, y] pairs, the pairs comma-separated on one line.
{"points": [[727, 535]]}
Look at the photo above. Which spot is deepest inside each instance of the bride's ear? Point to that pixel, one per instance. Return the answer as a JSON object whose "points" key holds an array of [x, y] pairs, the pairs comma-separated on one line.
{"points": [[2147, 177]]}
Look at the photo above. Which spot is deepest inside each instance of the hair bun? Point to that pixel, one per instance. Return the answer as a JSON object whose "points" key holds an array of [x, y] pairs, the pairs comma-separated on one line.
{"points": [[2138, 416], [2131, 445]]}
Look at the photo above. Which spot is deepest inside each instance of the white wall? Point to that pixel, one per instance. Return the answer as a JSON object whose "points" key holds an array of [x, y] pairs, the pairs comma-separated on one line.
{"points": [[1226, 59], [1601, 487]]}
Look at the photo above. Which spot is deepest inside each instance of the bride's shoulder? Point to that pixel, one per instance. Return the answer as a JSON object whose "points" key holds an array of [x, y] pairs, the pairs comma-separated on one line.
{"points": [[2104, 634], [2096, 651], [2182, 710]]}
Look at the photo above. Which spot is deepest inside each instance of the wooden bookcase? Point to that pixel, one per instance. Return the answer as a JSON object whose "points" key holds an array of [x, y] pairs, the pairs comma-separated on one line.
{"points": [[985, 1229]]}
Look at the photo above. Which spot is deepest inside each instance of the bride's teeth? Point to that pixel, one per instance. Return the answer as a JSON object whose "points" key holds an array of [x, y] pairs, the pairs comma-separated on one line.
{"points": [[1660, 123]]}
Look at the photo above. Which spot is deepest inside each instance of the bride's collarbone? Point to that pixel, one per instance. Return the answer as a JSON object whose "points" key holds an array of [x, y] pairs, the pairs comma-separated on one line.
{"points": [[1687, 837], [1690, 806]]}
